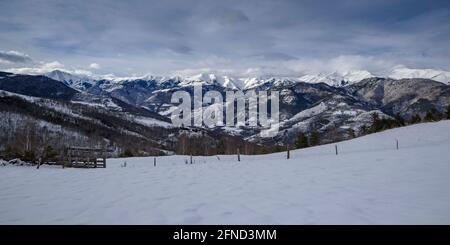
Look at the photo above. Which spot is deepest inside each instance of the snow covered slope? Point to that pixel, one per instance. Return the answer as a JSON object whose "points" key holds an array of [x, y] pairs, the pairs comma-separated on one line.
{"points": [[437, 75], [337, 79], [78, 82], [369, 182]]}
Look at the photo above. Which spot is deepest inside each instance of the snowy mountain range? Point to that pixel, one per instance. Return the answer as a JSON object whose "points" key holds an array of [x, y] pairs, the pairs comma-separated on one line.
{"points": [[336, 79], [351, 77], [334, 104], [61, 116]]}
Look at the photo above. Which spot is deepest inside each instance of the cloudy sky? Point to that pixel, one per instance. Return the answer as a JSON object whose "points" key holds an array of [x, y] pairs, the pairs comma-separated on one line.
{"points": [[244, 37]]}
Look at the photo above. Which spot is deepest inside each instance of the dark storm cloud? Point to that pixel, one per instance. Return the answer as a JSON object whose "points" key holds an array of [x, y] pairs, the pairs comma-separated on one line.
{"points": [[258, 35]]}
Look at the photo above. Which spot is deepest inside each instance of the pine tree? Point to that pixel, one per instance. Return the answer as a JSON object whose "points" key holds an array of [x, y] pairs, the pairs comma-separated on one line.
{"points": [[416, 119], [49, 154], [29, 156], [376, 123], [11, 152], [448, 112], [429, 117], [400, 119], [362, 130], [127, 153], [301, 141], [351, 133], [314, 138]]}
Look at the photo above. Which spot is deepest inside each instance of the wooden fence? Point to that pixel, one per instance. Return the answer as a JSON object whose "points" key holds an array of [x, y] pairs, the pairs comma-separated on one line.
{"points": [[85, 157]]}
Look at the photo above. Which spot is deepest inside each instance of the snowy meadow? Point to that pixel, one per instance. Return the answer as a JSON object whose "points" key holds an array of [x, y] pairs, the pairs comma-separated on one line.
{"points": [[368, 182]]}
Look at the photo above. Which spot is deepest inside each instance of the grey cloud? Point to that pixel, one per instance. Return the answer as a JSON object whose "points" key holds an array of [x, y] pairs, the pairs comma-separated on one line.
{"points": [[230, 16], [14, 57], [233, 35], [273, 56], [181, 49]]}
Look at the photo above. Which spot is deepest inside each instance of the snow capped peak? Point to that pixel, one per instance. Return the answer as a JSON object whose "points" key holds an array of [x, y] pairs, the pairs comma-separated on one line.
{"points": [[437, 75], [202, 77], [356, 75], [224, 81], [114, 78], [78, 82], [317, 78], [337, 78], [231, 83], [252, 82], [176, 79], [67, 77]]}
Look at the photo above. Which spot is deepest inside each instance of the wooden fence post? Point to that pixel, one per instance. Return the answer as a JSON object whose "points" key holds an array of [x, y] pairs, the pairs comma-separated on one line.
{"points": [[154, 162], [335, 147], [70, 158], [396, 141], [104, 157], [288, 153], [238, 155], [191, 158]]}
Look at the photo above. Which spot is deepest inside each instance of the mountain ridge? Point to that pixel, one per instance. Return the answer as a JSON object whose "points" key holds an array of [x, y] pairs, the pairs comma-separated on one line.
{"points": [[337, 79], [334, 111]]}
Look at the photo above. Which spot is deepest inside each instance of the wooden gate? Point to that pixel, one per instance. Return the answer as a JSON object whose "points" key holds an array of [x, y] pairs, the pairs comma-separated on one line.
{"points": [[85, 157]]}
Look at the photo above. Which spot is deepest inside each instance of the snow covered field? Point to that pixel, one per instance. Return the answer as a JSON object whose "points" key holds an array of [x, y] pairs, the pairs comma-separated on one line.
{"points": [[369, 182]]}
